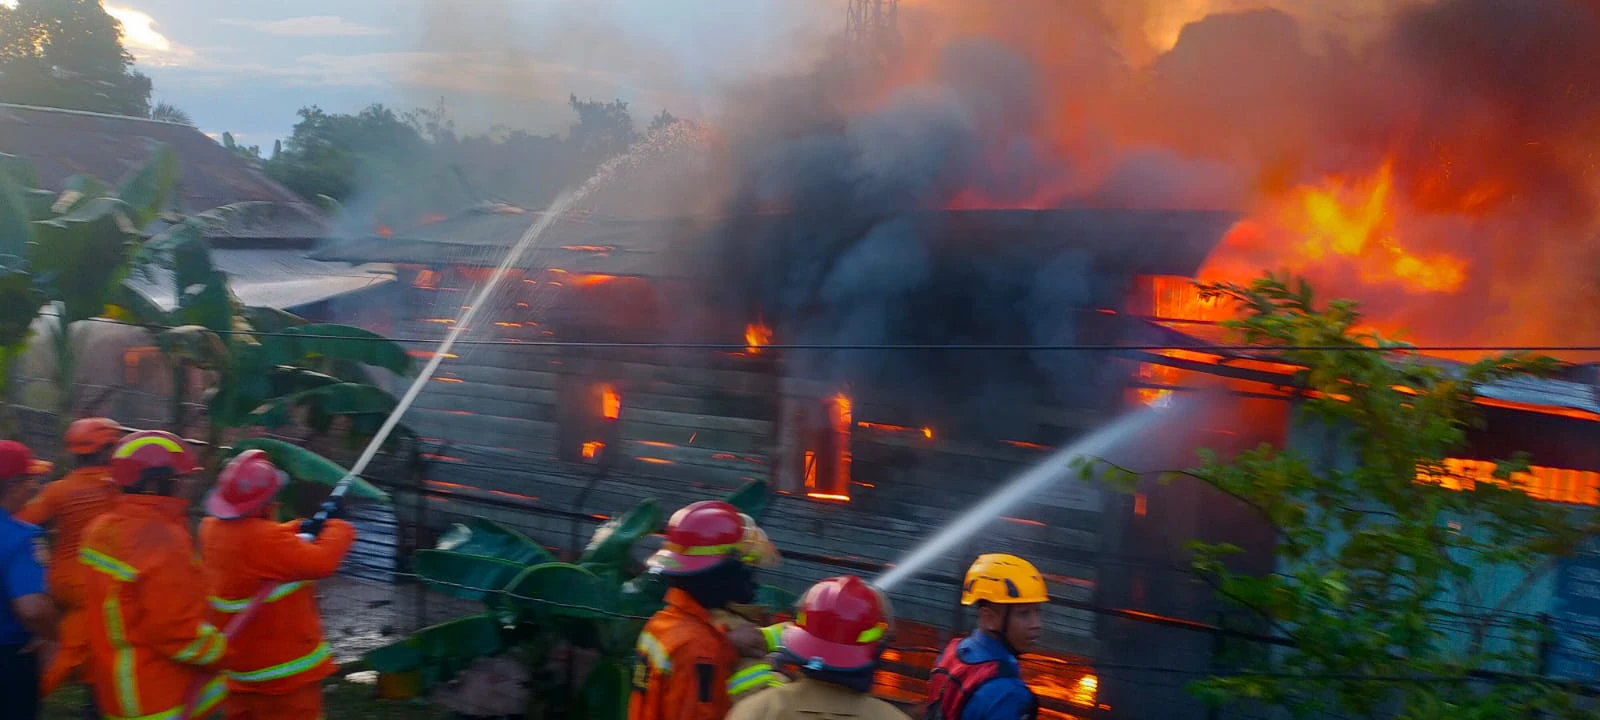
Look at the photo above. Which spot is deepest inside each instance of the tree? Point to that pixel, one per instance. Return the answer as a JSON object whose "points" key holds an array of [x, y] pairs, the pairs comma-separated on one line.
{"points": [[603, 129], [68, 54], [663, 121], [251, 153], [1384, 584], [329, 154], [167, 112]]}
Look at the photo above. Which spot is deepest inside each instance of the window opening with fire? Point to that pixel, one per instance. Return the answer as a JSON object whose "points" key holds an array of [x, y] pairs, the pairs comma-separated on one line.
{"points": [[824, 438], [1562, 485], [588, 414]]}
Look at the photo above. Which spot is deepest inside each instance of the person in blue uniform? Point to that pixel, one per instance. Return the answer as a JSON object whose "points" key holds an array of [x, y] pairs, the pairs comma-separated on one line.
{"points": [[27, 616]]}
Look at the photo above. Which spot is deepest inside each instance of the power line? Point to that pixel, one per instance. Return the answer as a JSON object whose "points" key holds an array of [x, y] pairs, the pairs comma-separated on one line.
{"points": [[917, 347]]}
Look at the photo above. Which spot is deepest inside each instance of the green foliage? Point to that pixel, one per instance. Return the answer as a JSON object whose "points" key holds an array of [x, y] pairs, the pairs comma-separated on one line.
{"points": [[1380, 574], [545, 608], [306, 466], [68, 54]]}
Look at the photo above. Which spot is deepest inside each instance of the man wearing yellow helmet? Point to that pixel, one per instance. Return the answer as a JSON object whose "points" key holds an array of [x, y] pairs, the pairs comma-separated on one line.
{"points": [[979, 677]]}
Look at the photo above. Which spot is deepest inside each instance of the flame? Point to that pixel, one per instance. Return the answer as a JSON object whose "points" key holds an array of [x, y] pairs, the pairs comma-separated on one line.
{"points": [[1563, 485], [592, 448], [449, 380], [428, 355], [829, 496], [1026, 445], [756, 336], [440, 321], [610, 403], [655, 461], [1086, 692], [593, 279], [426, 280], [601, 249]]}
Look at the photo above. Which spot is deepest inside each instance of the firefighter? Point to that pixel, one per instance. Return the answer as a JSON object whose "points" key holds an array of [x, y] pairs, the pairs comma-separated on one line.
{"points": [[837, 637], [278, 658], [685, 661], [144, 594], [979, 677], [753, 672], [66, 506], [27, 617]]}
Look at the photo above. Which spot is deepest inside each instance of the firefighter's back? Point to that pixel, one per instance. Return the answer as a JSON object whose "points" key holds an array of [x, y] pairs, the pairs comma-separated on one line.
{"points": [[682, 666], [808, 699]]}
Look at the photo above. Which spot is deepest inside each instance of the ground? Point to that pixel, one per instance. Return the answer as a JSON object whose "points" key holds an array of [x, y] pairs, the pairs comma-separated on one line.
{"points": [[345, 701]]}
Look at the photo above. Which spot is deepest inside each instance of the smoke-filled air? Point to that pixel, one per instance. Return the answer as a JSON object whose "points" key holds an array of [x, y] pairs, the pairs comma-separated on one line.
{"points": [[1422, 157]]}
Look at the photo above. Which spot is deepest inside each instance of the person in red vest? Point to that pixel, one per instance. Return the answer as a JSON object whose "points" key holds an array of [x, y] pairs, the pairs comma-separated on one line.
{"points": [[979, 677], [837, 638], [277, 660], [685, 660]]}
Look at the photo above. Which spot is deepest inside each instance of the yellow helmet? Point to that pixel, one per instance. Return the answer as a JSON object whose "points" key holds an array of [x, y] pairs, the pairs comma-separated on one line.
{"points": [[1003, 580]]}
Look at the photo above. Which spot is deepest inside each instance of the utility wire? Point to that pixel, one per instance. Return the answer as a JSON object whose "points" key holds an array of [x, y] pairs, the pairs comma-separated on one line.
{"points": [[918, 347]]}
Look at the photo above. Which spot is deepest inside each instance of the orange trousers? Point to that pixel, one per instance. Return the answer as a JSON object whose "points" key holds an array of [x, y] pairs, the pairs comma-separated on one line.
{"points": [[304, 703], [72, 654]]}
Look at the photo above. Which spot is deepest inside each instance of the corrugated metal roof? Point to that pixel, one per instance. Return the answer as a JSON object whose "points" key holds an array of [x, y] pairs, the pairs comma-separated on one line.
{"points": [[275, 278], [64, 143], [1138, 241], [1545, 392]]}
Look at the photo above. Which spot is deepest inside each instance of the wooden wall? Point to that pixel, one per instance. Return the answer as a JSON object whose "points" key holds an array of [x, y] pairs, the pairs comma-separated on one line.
{"points": [[696, 424]]}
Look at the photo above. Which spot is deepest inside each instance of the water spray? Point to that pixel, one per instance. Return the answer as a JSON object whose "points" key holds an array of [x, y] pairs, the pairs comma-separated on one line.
{"points": [[1019, 489]]}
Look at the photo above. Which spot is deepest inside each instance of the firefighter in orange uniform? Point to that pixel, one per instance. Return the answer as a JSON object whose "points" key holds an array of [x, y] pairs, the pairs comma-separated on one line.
{"points": [[685, 660], [837, 637], [144, 590], [66, 506], [277, 660]]}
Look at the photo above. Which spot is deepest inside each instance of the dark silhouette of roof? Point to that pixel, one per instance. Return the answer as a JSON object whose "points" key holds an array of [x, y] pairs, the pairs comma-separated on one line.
{"points": [[64, 143]]}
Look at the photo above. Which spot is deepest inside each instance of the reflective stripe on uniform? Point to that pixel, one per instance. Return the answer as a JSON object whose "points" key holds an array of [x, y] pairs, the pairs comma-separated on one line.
{"points": [[206, 648], [756, 676], [213, 694], [652, 648], [283, 670], [234, 606], [123, 676], [774, 636], [107, 564]]}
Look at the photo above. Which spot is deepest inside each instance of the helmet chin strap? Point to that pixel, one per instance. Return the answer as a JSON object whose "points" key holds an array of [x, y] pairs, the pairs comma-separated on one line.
{"points": [[1005, 632]]}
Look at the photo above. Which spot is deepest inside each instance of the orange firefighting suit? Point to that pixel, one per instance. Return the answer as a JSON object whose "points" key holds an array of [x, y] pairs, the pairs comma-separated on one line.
{"points": [[145, 612], [750, 676], [280, 652], [69, 504], [683, 665]]}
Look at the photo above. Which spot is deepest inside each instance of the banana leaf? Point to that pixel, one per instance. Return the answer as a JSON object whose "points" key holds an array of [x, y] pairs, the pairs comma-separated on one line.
{"points": [[19, 303], [85, 255], [330, 400], [487, 538], [337, 342], [19, 170], [271, 320], [613, 542], [605, 692], [469, 577], [306, 466], [752, 499], [440, 651], [15, 232], [776, 599], [149, 190], [561, 590], [126, 304]]}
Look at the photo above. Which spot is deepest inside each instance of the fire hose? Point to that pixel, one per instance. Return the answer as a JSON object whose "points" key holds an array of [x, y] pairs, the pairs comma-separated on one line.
{"points": [[309, 530]]}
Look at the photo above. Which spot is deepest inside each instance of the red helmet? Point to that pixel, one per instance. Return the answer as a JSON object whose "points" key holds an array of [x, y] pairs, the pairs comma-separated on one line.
{"points": [[148, 449], [246, 485], [839, 626], [91, 435], [700, 537]]}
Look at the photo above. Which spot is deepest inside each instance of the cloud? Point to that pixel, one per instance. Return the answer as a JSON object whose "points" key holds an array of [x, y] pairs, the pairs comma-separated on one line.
{"points": [[145, 42], [310, 26]]}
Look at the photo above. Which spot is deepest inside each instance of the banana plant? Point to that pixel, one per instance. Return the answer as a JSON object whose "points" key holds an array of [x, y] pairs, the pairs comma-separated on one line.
{"points": [[265, 364], [20, 294], [546, 611]]}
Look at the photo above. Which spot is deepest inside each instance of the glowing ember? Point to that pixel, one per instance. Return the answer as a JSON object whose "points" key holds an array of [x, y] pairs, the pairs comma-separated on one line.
{"points": [[432, 218], [440, 321], [1086, 692], [756, 336], [594, 279], [1026, 445], [384, 231], [602, 249], [655, 461], [428, 355], [592, 448], [828, 496], [610, 403], [449, 380], [426, 280]]}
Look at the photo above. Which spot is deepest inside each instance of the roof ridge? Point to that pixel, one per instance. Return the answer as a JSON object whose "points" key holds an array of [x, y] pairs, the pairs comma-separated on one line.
{"points": [[88, 113]]}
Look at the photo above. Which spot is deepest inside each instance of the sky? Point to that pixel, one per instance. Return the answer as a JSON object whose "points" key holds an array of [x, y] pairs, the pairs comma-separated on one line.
{"points": [[246, 66]]}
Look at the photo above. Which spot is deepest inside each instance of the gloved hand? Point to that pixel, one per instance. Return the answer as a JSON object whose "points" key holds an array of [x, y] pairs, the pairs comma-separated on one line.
{"points": [[329, 510]]}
